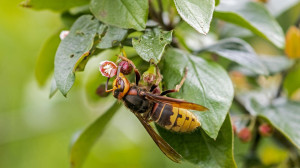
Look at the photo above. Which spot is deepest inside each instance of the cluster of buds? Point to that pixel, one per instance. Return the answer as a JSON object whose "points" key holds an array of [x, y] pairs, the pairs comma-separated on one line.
{"points": [[109, 69], [245, 134], [149, 76]]}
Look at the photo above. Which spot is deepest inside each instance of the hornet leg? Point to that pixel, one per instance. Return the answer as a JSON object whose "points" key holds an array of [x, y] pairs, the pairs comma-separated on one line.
{"points": [[177, 88], [158, 80]]}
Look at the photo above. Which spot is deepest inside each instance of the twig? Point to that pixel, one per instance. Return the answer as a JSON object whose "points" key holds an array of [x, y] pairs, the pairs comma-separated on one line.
{"points": [[284, 73]]}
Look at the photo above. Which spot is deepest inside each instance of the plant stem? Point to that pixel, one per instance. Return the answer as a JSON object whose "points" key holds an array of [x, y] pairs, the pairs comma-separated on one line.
{"points": [[284, 73], [158, 16]]}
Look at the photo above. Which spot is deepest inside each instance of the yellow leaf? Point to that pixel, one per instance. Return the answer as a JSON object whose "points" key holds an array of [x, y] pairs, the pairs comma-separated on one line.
{"points": [[292, 47], [270, 153]]}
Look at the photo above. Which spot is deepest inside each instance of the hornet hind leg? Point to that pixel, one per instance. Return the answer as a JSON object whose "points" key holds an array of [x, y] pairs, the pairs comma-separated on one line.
{"points": [[177, 88]]}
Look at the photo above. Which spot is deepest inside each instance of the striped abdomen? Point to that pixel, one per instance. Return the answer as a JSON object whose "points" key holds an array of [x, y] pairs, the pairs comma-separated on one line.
{"points": [[174, 118]]}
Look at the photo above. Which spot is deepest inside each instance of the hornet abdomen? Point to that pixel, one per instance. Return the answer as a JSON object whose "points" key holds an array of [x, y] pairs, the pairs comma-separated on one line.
{"points": [[174, 118]]}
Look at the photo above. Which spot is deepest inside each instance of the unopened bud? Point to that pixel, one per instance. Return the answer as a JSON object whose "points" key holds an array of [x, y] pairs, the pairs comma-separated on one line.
{"points": [[101, 91], [265, 130], [245, 135], [63, 34], [126, 68], [149, 76]]}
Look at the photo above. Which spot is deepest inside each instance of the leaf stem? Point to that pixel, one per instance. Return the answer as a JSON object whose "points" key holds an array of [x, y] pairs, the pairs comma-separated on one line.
{"points": [[158, 16]]}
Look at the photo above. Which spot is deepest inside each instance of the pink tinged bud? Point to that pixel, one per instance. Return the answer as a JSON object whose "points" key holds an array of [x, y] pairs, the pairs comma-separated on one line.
{"points": [[265, 130], [108, 68], [149, 78], [126, 68], [63, 34], [101, 91], [245, 135]]}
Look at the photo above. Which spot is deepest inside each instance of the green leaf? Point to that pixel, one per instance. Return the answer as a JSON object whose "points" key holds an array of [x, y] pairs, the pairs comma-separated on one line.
{"points": [[56, 5], [72, 50], [53, 88], [125, 14], [240, 52], [262, 96], [217, 2], [68, 19], [200, 149], [197, 13], [292, 80], [277, 7], [284, 115], [207, 84], [89, 136], [45, 61], [253, 16], [112, 37], [229, 30], [276, 64], [151, 45]]}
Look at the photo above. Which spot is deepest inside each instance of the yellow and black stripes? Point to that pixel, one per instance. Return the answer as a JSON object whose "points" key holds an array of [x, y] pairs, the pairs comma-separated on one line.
{"points": [[174, 118]]}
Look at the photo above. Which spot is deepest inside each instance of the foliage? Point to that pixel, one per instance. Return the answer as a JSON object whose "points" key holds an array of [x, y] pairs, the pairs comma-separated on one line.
{"points": [[153, 31]]}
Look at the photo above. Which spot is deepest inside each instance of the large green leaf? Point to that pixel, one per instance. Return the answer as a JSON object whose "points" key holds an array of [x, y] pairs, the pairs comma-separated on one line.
{"points": [[197, 13], [253, 16], [240, 52], [73, 49], [125, 14], [56, 5], [207, 84], [151, 45], [45, 61], [277, 7], [200, 149], [89, 136], [112, 38], [284, 115], [276, 64]]}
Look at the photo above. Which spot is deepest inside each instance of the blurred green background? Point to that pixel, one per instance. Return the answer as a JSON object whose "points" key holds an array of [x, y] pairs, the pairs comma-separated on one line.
{"points": [[36, 131]]}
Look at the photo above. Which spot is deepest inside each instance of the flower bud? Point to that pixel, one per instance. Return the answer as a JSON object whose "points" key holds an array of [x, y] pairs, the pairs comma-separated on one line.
{"points": [[126, 68], [265, 130], [108, 68], [63, 34], [245, 135], [101, 91], [292, 42], [149, 76]]}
